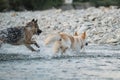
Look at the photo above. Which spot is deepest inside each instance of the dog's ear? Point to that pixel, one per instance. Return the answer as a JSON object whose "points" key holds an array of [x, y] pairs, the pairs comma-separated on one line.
{"points": [[33, 20], [36, 20], [83, 35], [75, 34]]}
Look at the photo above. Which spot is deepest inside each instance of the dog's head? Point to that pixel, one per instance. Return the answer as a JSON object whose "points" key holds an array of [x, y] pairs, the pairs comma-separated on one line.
{"points": [[82, 37], [33, 27]]}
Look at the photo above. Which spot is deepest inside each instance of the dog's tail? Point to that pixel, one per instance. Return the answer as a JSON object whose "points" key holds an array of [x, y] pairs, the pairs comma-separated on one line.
{"points": [[52, 38]]}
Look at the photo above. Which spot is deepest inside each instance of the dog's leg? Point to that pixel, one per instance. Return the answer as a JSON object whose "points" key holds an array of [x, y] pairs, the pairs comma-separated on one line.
{"points": [[56, 46], [1, 43], [29, 47], [64, 49], [35, 43]]}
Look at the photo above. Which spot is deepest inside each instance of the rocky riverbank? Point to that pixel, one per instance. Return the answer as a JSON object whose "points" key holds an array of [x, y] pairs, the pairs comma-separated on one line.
{"points": [[102, 24]]}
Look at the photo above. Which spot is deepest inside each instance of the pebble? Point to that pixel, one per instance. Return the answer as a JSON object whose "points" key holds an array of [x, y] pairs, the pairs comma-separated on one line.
{"points": [[101, 24]]}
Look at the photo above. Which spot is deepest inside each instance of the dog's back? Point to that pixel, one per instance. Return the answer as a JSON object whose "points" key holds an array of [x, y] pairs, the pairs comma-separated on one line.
{"points": [[12, 35]]}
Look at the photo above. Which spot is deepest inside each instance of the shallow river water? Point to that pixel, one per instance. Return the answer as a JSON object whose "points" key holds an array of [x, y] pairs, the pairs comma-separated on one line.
{"points": [[97, 62]]}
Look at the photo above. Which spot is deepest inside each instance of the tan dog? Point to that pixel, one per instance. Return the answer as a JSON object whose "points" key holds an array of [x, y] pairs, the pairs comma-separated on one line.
{"points": [[63, 41], [21, 35]]}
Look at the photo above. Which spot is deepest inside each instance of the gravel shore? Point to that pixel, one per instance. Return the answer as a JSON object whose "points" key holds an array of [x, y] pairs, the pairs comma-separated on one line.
{"points": [[101, 24]]}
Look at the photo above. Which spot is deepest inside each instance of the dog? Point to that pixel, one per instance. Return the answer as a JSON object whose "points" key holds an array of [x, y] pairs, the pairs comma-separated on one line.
{"points": [[21, 35], [63, 41]]}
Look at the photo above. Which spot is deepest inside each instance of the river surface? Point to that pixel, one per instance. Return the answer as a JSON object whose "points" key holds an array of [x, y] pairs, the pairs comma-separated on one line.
{"points": [[96, 62]]}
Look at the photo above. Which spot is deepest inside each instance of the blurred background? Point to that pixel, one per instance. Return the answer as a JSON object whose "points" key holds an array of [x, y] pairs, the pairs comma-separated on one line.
{"points": [[21, 5]]}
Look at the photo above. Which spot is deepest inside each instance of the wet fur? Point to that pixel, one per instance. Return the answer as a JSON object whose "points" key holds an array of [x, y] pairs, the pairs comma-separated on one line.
{"points": [[63, 41], [21, 35]]}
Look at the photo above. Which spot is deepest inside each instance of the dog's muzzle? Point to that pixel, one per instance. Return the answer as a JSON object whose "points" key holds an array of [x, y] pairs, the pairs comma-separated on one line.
{"points": [[39, 31]]}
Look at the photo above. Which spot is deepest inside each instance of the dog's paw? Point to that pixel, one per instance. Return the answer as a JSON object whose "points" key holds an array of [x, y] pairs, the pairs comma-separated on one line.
{"points": [[37, 51], [37, 45]]}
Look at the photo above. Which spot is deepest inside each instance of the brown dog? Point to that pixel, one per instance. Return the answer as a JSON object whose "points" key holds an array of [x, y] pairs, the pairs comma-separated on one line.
{"points": [[21, 35]]}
